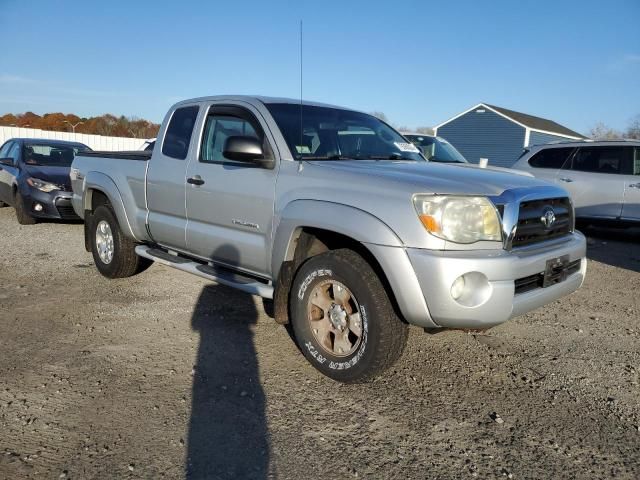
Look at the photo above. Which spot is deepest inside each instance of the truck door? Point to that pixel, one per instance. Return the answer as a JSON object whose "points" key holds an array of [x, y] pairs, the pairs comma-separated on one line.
{"points": [[631, 207], [230, 204], [166, 180], [595, 182]]}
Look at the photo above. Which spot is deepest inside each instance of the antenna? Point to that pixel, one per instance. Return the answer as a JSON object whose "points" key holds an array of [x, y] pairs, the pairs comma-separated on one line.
{"points": [[301, 144]]}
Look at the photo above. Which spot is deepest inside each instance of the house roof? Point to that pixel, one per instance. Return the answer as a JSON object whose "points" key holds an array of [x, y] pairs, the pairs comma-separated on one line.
{"points": [[525, 120], [536, 123]]}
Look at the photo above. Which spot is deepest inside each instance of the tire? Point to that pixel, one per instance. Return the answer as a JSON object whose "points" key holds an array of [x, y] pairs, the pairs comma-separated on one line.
{"points": [[21, 212], [341, 292], [2, 204], [114, 258]]}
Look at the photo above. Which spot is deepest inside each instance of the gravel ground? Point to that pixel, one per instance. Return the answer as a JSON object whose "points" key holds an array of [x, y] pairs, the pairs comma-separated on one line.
{"points": [[167, 375]]}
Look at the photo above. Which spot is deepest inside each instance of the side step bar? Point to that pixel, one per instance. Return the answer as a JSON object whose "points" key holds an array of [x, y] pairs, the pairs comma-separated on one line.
{"points": [[213, 273]]}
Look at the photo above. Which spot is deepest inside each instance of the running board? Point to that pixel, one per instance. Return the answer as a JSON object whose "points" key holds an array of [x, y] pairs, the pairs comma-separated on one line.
{"points": [[217, 274]]}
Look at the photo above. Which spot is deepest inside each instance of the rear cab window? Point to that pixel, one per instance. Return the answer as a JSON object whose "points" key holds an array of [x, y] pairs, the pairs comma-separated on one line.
{"points": [[551, 157], [178, 135]]}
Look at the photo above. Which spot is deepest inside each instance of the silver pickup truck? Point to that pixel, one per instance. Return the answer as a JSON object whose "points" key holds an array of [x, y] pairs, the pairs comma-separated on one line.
{"points": [[337, 218]]}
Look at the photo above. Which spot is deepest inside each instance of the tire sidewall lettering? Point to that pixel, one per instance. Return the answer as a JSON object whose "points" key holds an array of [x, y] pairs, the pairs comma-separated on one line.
{"points": [[321, 272]]}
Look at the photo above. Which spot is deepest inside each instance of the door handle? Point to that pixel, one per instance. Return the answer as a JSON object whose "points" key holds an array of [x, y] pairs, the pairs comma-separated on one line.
{"points": [[634, 185], [565, 179], [195, 180]]}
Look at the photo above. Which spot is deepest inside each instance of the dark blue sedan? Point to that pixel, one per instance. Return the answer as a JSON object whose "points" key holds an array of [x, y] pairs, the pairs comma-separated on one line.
{"points": [[34, 178]]}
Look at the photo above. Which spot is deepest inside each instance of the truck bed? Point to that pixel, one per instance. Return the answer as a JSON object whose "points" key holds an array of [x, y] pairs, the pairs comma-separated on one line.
{"points": [[123, 174], [122, 155]]}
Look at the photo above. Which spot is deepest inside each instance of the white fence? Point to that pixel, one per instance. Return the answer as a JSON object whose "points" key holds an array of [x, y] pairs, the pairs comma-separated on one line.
{"points": [[96, 142]]}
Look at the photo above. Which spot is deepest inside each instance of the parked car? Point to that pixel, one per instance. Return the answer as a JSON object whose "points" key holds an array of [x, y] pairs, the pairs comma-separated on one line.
{"points": [[602, 177], [435, 149], [337, 218], [34, 178]]}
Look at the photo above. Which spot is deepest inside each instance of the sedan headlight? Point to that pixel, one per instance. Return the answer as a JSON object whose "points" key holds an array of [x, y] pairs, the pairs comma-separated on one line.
{"points": [[42, 185], [459, 219]]}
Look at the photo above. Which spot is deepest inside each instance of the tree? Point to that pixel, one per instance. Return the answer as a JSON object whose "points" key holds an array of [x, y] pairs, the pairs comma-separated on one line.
{"points": [[381, 116], [633, 130], [425, 131], [104, 125], [600, 131]]}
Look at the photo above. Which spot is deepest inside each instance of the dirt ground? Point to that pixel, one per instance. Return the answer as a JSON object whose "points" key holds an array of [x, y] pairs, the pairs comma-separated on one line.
{"points": [[165, 375]]}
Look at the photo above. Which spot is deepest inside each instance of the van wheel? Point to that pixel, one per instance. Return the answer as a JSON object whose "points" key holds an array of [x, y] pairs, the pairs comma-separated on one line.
{"points": [[113, 252], [2, 204], [342, 318], [21, 211]]}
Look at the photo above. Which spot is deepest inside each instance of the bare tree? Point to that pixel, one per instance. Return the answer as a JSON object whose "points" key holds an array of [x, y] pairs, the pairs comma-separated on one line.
{"points": [[425, 130], [381, 115], [600, 131], [633, 130]]}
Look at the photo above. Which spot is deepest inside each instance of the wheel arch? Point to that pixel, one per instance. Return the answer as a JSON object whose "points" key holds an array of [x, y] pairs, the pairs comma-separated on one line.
{"points": [[310, 227], [100, 189]]}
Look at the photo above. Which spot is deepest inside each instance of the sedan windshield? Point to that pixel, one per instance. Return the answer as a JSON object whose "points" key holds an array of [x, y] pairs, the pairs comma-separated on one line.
{"points": [[436, 149], [335, 134], [53, 155]]}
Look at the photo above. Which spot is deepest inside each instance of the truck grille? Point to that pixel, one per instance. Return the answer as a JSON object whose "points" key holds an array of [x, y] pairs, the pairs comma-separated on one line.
{"points": [[535, 221]]}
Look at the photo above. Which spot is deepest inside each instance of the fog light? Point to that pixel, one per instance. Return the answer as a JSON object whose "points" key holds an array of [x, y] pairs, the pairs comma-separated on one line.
{"points": [[38, 207], [457, 289], [471, 289]]}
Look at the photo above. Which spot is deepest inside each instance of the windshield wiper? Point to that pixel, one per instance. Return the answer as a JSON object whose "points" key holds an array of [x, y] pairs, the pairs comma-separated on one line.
{"points": [[326, 157], [392, 156]]}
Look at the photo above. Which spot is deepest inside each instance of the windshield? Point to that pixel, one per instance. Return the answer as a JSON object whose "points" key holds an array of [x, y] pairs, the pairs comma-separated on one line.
{"points": [[436, 149], [55, 155], [335, 134]]}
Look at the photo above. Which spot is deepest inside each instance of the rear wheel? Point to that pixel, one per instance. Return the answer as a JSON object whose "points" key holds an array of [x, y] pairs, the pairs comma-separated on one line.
{"points": [[22, 214], [2, 204], [342, 317], [113, 252]]}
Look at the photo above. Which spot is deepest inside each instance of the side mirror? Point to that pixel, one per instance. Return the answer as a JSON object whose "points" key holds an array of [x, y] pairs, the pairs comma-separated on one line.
{"points": [[246, 149], [6, 161]]}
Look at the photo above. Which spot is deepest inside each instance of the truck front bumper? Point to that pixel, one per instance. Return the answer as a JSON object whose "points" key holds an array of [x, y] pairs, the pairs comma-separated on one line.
{"points": [[492, 287]]}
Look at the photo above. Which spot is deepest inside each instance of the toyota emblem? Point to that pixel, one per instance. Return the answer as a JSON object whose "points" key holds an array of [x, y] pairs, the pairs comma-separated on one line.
{"points": [[548, 217]]}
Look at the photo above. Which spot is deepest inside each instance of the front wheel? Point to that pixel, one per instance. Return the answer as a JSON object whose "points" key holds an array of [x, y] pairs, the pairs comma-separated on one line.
{"points": [[343, 319], [113, 252], [22, 215]]}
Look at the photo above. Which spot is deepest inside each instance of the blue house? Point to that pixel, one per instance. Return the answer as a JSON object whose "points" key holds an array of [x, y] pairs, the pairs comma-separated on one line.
{"points": [[487, 131]]}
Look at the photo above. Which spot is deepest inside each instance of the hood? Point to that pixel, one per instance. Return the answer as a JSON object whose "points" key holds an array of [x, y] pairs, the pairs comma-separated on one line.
{"points": [[497, 169], [442, 178], [57, 175]]}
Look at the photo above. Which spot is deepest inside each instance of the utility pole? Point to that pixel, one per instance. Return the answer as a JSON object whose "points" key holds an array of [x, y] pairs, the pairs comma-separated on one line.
{"points": [[73, 125]]}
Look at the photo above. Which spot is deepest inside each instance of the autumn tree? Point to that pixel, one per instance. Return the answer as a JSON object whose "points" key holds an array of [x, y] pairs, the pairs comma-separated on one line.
{"points": [[106, 124]]}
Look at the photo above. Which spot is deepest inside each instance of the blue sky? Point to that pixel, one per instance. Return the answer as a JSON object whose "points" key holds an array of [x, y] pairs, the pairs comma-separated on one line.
{"points": [[420, 62]]}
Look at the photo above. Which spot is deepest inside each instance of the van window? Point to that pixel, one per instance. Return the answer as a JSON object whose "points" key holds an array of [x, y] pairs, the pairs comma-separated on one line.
{"points": [[178, 135], [601, 160], [551, 158], [636, 162]]}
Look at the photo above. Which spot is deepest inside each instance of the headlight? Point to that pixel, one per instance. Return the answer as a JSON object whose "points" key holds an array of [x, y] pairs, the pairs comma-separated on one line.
{"points": [[42, 185], [459, 219]]}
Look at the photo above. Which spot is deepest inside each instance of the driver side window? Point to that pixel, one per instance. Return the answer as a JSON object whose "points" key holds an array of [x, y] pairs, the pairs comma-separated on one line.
{"points": [[217, 129]]}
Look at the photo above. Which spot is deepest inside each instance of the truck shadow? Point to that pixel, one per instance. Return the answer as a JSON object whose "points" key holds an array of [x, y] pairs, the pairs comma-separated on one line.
{"points": [[228, 435], [616, 247]]}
